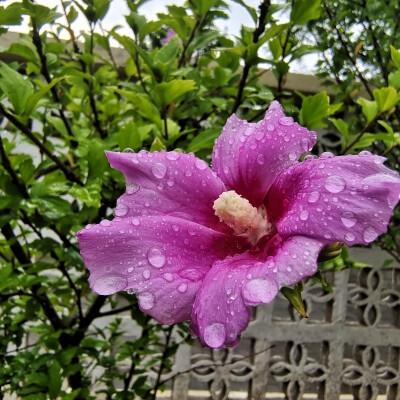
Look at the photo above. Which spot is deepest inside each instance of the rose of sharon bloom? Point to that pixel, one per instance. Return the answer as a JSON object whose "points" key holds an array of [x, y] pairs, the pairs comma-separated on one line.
{"points": [[170, 34], [203, 244]]}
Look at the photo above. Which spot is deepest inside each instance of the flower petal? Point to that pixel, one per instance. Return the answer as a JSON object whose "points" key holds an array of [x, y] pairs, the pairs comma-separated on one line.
{"points": [[162, 259], [168, 183], [248, 157], [221, 309], [348, 199]]}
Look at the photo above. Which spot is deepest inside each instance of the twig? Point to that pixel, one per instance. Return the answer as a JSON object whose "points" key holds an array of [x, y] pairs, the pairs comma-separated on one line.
{"points": [[264, 7], [31, 136], [114, 311], [162, 362], [213, 364]]}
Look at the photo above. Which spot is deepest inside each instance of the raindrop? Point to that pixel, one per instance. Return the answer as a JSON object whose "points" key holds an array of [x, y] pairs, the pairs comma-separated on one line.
{"points": [[159, 170], [146, 301], [171, 182], [349, 237], [121, 210], [109, 284], [270, 127], [260, 135], [168, 277], [200, 164], [365, 153], [188, 173], [304, 215], [334, 184], [132, 188], [288, 121], [370, 234], [182, 288], [306, 144], [313, 197], [214, 335], [105, 222], [261, 159], [292, 156], [175, 228], [156, 257], [248, 131], [128, 150], [135, 222], [348, 219], [172, 155], [146, 274], [259, 290], [327, 235]]}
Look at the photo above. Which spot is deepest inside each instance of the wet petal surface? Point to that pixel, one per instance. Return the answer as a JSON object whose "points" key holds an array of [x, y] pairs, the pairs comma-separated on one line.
{"points": [[348, 199], [221, 309], [161, 259], [248, 157], [168, 183]]}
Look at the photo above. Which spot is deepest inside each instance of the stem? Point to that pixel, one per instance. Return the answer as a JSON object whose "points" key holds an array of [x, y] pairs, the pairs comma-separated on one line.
{"points": [[31, 136], [162, 363], [264, 7]]}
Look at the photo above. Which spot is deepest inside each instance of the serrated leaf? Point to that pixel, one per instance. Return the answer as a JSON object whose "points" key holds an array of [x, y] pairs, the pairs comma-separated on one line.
{"points": [[167, 92], [395, 54], [304, 11], [386, 98], [369, 108]]}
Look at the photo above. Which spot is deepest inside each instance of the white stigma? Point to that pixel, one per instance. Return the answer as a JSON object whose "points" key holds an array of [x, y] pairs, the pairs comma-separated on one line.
{"points": [[241, 216]]}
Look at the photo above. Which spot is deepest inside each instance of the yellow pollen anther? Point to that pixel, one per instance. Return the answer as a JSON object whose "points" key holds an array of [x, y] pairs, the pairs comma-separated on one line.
{"points": [[240, 215]]}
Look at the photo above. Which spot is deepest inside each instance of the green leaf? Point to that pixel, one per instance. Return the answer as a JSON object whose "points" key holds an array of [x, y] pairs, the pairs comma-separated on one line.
{"points": [[90, 195], [167, 92], [204, 6], [394, 80], [204, 140], [314, 109], [55, 380], [304, 11], [11, 15], [386, 98], [97, 159], [252, 11], [132, 136], [101, 7], [167, 53], [341, 126], [52, 207], [369, 108], [395, 56], [157, 145], [33, 101], [17, 89], [293, 294]]}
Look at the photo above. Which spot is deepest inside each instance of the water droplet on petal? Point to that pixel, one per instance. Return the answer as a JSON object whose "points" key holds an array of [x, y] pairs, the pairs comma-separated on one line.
{"points": [[370, 234], [287, 121], [325, 155], [306, 144], [260, 135], [348, 219], [378, 178], [309, 157], [261, 159], [172, 155], [146, 274], [182, 288], [156, 257], [365, 153], [304, 215], [171, 181], [327, 235], [188, 173], [200, 164], [132, 188], [334, 184], [121, 210], [349, 237], [110, 284], [259, 290], [313, 197], [292, 156], [135, 222], [146, 301], [105, 222], [128, 150], [270, 127], [159, 170], [168, 277], [214, 335]]}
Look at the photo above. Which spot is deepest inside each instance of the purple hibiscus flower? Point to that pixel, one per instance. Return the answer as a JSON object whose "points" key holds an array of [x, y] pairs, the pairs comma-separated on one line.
{"points": [[204, 244], [170, 34]]}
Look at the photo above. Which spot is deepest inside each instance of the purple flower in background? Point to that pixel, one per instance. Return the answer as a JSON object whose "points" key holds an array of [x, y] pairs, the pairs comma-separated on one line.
{"points": [[170, 34], [204, 244]]}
